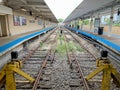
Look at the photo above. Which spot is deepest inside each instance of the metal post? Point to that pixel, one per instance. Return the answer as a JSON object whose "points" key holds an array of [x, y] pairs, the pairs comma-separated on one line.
{"points": [[111, 21], [10, 80], [74, 24], [91, 23], [106, 78], [44, 24], [82, 24], [78, 24]]}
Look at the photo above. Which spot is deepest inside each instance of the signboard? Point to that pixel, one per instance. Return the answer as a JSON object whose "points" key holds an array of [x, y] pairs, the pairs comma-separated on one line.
{"points": [[97, 22], [19, 21]]}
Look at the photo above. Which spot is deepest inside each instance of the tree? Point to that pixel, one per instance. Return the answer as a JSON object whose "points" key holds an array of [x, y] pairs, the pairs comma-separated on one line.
{"points": [[60, 20], [86, 22]]}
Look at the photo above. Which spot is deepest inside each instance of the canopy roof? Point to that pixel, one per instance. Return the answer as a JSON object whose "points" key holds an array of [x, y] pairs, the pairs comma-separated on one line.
{"points": [[88, 7], [34, 7]]}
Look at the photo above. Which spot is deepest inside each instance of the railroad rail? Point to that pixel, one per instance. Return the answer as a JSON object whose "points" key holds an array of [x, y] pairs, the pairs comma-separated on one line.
{"points": [[49, 57], [31, 63], [101, 43], [52, 68], [104, 65], [73, 59]]}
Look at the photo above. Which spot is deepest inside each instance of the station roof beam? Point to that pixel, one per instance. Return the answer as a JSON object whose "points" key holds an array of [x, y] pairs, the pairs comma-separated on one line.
{"points": [[37, 7], [88, 7]]}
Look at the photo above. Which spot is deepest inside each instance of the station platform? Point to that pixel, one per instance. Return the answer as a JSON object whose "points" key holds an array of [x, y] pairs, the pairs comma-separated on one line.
{"points": [[110, 41], [113, 38], [5, 40], [7, 43]]}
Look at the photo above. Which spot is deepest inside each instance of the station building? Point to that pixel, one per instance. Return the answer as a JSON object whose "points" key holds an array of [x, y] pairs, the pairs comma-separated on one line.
{"points": [[21, 23], [90, 15], [24, 16]]}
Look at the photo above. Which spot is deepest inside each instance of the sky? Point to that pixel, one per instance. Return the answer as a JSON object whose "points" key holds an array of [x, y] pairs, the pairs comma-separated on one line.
{"points": [[62, 8]]}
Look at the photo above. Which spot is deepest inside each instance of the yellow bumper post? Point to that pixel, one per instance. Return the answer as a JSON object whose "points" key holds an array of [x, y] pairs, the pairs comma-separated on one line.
{"points": [[108, 72], [8, 72]]}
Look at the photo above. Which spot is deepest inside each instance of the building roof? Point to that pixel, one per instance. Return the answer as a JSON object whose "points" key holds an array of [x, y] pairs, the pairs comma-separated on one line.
{"points": [[37, 8], [88, 7]]}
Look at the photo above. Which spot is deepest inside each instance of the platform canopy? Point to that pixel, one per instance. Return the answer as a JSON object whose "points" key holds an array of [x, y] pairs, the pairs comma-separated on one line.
{"points": [[37, 8], [88, 7]]}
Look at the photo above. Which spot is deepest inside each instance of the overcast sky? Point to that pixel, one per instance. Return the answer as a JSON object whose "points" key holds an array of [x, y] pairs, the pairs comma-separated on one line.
{"points": [[62, 8]]}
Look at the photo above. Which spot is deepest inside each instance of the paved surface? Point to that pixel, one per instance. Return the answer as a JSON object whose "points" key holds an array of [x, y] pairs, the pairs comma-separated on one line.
{"points": [[4, 40], [113, 38]]}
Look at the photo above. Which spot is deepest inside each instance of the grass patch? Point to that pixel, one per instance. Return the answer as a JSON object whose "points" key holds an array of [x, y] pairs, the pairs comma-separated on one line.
{"points": [[74, 47], [61, 48], [79, 48], [71, 47], [61, 38], [41, 44]]}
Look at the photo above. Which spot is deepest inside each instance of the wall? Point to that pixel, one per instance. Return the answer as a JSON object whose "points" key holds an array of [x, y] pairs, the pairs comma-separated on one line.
{"points": [[115, 29], [14, 30], [86, 27], [49, 24]]}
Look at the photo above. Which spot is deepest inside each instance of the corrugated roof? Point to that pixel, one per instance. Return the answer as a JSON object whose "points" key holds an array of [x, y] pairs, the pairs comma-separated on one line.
{"points": [[36, 7], [87, 7]]}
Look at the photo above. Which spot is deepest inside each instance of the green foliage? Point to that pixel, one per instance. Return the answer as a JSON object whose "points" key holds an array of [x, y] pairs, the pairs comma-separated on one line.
{"points": [[116, 24], [71, 47], [61, 48], [41, 44], [60, 20], [79, 48], [86, 22], [107, 20], [74, 47], [61, 38], [80, 22]]}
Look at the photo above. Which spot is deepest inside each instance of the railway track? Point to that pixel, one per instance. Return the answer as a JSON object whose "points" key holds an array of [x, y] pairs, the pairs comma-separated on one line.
{"points": [[36, 62], [87, 62], [75, 67], [47, 63], [61, 63], [58, 75]]}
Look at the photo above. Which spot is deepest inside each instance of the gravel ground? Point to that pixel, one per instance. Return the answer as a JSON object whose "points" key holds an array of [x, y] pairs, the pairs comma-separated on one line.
{"points": [[88, 64], [58, 75]]}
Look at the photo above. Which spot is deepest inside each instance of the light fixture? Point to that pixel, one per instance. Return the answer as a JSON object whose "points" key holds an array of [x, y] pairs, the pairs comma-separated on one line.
{"points": [[1, 1], [23, 9]]}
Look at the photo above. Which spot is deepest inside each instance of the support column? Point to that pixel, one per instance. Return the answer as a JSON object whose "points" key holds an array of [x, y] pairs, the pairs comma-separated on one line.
{"points": [[82, 24], [111, 21], [71, 24], [44, 24], [97, 25], [74, 23], [78, 26], [91, 23]]}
